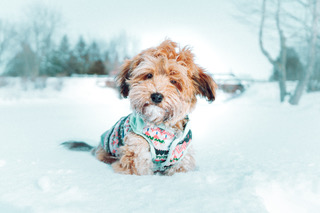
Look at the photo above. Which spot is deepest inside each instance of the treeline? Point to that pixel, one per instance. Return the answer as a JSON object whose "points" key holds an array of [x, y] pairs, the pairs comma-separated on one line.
{"points": [[63, 60], [34, 48]]}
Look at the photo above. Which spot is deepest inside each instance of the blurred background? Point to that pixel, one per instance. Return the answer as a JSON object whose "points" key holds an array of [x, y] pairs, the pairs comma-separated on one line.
{"points": [[247, 40], [114, 30]]}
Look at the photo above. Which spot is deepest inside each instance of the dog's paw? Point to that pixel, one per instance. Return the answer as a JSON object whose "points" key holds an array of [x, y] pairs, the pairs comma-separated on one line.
{"points": [[172, 171], [133, 165], [122, 169]]}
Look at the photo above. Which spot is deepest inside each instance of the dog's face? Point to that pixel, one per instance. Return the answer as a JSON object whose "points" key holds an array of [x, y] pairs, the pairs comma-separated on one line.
{"points": [[163, 83]]}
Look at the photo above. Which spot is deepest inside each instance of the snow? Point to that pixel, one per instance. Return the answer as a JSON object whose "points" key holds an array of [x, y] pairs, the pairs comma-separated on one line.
{"points": [[253, 154]]}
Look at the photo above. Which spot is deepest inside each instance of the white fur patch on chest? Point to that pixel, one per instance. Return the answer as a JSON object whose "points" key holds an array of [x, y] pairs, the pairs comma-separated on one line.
{"points": [[153, 113]]}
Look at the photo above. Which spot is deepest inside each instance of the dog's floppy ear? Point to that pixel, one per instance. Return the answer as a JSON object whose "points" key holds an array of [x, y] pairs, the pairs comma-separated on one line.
{"points": [[125, 73], [123, 77], [204, 84]]}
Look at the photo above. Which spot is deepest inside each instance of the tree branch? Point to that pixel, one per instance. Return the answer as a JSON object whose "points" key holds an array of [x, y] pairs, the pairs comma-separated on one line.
{"points": [[263, 50]]}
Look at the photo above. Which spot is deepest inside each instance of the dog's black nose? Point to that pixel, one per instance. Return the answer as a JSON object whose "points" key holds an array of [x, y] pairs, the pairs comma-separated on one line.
{"points": [[156, 97]]}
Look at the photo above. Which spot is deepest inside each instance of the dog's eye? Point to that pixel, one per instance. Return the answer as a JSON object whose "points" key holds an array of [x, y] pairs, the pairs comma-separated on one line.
{"points": [[173, 82], [149, 76]]}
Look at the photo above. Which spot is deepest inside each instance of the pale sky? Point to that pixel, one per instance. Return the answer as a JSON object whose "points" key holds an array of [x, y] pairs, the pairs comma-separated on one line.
{"points": [[221, 43]]}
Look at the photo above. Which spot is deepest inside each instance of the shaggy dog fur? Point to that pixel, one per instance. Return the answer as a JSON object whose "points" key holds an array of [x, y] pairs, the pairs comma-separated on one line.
{"points": [[172, 73]]}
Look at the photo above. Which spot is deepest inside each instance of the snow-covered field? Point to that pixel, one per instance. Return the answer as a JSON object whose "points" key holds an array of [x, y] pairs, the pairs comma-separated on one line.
{"points": [[253, 154]]}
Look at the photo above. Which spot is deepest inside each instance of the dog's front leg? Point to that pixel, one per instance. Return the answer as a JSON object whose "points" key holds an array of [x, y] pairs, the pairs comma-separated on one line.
{"points": [[135, 156]]}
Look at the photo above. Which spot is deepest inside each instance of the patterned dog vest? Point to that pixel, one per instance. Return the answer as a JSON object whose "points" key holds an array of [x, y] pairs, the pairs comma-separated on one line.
{"points": [[165, 146]]}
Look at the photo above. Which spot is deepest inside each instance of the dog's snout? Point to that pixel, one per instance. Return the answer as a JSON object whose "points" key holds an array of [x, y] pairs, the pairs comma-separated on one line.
{"points": [[156, 97]]}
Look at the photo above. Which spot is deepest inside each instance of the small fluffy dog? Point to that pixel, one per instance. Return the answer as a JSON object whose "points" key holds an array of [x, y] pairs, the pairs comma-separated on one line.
{"points": [[162, 84]]}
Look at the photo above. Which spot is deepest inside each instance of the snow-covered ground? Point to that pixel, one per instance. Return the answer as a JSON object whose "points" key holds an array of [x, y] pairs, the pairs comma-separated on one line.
{"points": [[253, 154]]}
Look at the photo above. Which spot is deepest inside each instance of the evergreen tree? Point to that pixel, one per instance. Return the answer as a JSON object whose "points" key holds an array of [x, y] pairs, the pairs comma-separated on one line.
{"points": [[95, 59], [94, 52], [58, 59], [64, 48], [73, 65], [97, 68], [82, 56]]}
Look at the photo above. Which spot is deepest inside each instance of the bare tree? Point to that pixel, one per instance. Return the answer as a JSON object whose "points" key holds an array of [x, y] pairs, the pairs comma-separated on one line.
{"points": [[279, 65], [295, 24], [315, 8], [39, 32]]}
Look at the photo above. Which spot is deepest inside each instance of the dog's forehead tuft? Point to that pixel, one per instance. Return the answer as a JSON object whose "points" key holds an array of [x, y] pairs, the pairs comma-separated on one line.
{"points": [[167, 59], [161, 65], [168, 49]]}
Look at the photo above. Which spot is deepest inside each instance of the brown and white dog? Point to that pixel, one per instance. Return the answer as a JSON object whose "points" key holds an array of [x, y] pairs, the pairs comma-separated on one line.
{"points": [[162, 84]]}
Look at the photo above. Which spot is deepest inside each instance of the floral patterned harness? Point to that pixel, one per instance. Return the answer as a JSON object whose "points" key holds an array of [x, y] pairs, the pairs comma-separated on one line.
{"points": [[165, 146]]}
